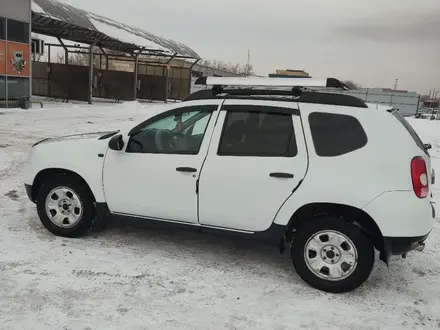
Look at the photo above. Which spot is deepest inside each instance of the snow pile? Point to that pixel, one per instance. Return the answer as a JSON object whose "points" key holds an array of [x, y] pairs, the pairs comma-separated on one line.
{"points": [[4, 158], [154, 279], [37, 9], [125, 36]]}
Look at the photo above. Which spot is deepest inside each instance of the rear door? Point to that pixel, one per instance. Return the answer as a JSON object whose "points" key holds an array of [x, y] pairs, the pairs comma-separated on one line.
{"points": [[256, 158]]}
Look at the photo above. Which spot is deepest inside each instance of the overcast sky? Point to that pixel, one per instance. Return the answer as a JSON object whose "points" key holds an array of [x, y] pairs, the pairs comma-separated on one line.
{"points": [[371, 42]]}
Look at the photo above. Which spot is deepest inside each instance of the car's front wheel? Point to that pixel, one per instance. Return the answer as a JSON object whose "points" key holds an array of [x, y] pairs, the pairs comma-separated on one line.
{"points": [[332, 255], [65, 206]]}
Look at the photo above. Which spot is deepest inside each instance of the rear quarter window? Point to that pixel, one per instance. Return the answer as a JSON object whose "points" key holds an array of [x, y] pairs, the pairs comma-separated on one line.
{"points": [[336, 134]]}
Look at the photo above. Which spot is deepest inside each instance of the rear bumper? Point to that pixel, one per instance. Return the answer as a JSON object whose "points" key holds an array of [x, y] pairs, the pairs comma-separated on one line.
{"points": [[401, 245], [28, 188]]}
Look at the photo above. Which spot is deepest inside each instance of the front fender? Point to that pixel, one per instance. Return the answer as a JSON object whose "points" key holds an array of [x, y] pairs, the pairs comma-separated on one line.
{"points": [[86, 161]]}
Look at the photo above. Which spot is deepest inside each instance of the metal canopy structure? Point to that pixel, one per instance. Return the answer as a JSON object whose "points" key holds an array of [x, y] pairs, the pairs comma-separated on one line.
{"points": [[62, 21], [59, 20]]}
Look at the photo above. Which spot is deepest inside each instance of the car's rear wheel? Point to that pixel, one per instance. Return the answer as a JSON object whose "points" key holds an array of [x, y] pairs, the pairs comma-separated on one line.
{"points": [[332, 255], [65, 206]]}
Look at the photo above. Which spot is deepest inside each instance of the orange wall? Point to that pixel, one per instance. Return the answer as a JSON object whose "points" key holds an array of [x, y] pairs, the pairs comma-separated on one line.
{"points": [[17, 59]]}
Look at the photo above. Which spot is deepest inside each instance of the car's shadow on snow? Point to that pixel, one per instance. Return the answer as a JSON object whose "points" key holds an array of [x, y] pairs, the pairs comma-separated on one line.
{"points": [[232, 254], [240, 254], [221, 249], [228, 253]]}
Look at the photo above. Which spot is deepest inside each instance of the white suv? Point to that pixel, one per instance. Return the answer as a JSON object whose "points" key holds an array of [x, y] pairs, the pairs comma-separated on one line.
{"points": [[334, 177]]}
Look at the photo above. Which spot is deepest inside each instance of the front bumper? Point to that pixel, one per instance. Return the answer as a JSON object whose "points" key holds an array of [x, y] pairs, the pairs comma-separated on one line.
{"points": [[28, 188], [402, 245]]}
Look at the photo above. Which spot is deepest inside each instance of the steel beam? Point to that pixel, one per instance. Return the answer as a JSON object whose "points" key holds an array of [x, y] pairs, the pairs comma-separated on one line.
{"points": [[136, 74], [166, 76], [90, 94], [190, 75], [66, 51]]}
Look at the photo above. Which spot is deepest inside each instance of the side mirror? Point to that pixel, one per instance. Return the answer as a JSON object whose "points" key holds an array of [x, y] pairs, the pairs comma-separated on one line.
{"points": [[116, 143], [427, 146]]}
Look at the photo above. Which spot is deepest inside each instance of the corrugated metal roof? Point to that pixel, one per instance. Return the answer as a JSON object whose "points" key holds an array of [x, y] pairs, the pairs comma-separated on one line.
{"points": [[115, 31]]}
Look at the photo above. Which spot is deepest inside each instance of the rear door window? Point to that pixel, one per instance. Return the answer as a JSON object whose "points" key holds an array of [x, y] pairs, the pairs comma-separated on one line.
{"points": [[258, 134]]}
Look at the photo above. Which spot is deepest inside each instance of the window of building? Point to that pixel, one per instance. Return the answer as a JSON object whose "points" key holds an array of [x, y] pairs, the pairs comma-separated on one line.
{"points": [[2, 91], [336, 134], [18, 31], [261, 134], [18, 87], [2, 28]]}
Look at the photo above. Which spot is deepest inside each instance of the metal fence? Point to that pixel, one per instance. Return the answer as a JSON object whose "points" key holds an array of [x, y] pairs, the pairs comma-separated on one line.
{"points": [[407, 102]]}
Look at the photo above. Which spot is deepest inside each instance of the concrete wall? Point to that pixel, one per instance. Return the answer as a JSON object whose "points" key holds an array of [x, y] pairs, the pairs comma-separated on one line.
{"points": [[19, 10]]}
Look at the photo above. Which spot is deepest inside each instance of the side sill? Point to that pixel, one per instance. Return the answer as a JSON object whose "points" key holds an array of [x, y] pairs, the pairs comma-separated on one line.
{"points": [[104, 218]]}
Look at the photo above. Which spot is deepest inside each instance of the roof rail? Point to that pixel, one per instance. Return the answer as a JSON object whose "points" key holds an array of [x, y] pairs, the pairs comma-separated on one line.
{"points": [[294, 95], [271, 82]]}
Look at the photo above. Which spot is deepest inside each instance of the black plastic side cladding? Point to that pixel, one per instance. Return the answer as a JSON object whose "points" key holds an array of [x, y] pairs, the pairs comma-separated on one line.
{"points": [[104, 218]]}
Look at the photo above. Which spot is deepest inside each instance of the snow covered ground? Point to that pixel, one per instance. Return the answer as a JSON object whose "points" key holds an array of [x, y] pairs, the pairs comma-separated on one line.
{"points": [[151, 279]]}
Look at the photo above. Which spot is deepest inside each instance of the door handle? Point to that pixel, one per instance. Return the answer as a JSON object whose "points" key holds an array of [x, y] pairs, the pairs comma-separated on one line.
{"points": [[186, 169], [281, 175]]}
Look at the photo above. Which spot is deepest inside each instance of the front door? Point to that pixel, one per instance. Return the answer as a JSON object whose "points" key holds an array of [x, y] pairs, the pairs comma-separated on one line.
{"points": [[155, 175], [256, 159]]}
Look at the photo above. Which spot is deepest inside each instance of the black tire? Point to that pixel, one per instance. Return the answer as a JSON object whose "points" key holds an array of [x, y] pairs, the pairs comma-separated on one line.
{"points": [[85, 196], [364, 247]]}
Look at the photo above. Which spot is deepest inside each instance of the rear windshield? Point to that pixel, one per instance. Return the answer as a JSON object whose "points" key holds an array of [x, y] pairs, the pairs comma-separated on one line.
{"points": [[409, 129]]}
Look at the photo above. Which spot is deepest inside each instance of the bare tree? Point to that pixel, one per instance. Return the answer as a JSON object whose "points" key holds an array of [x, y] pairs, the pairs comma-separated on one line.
{"points": [[76, 57], [73, 58], [424, 98], [237, 68], [38, 57]]}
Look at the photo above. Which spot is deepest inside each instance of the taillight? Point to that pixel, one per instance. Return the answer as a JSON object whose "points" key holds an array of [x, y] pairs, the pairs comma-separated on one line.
{"points": [[419, 177]]}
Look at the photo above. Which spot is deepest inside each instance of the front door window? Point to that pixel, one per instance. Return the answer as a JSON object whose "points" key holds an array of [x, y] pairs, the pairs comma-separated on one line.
{"points": [[176, 133]]}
